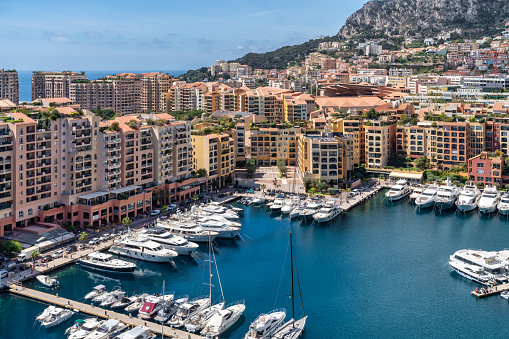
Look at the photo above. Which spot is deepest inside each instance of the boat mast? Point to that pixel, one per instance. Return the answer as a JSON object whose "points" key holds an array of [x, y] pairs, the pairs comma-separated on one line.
{"points": [[291, 267], [210, 273]]}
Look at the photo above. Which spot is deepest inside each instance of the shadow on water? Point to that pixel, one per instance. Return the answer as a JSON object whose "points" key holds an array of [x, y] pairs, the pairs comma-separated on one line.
{"points": [[424, 211], [231, 243], [108, 275], [464, 215], [236, 326], [444, 212]]}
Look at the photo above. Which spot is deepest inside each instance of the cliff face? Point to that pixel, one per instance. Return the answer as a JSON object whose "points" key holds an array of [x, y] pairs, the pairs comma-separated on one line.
{"points": [[427, 18]]}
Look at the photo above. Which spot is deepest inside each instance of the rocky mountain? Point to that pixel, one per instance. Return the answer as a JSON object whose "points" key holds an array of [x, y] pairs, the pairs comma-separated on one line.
{"points": [[427, 18]]}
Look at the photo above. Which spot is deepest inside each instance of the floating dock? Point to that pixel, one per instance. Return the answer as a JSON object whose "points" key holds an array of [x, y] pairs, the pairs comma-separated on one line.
{"points": [[98, 312], [494, 290]]}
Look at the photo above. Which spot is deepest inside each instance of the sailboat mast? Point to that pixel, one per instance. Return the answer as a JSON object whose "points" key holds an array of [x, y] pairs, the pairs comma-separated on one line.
{"points": [[291, 265], [210, 273]]}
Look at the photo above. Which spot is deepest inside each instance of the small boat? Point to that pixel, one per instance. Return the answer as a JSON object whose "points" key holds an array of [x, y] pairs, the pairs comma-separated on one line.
{"points": [[289, 205], [112, 298], [505, 295], [57, 316], [276, 205], [152, 305], [266, 324], [107, 329], [222, 320], [187, 310], [106, 262], [427, 197], [169, 308], [125, 301], [398, 191], [47, 281], [258, 201], [503, 205], [327, 213], [311, 209], [295, 213], [98, 290], [291, 329], [139, 332], [468, 198], [489, 200], [237, 210], [417, 191], [135, 306], [104, 296], [45, 313], [82, 328], [200, 319]]}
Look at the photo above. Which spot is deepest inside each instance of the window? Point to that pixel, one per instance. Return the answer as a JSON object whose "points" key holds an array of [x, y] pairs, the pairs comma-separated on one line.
{"points": [[20, 214], [30, 211]]}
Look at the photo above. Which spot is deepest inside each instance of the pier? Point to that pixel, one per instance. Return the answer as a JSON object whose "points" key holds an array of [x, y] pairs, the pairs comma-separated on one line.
{"points": [[494, 290], [98, 312]]}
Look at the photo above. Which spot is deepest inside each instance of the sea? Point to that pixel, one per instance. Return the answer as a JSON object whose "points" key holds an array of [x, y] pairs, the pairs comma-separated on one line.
{"points": [[378, 271], [25, 78]]}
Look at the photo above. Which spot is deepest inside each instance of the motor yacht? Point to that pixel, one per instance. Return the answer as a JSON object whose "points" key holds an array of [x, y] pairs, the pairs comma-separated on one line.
{"points": [[427, 197], [259, 200], [417, 191], [112, 298], [45, 313], [189, 230], [106, 295], [266, 325], [289, 205], [503, 205], [139, 332], [107, 329], [106, 262], [187, 310], [217, 218], [170, 241], [224, 231], [152, 305], [276, 205], [446, 196], [489, 200], [143, 249], [221, 321], [505, 295], [200, 319], [125, 301], [213, 208], [311, 209], [56, 317], [468, 198], [237, 210], [400, 190], [82, 328], [137, 304], [481, 266], [292, 329], [47, 281], [327, 213], [98, 290], [169, 308], [295, 213]]}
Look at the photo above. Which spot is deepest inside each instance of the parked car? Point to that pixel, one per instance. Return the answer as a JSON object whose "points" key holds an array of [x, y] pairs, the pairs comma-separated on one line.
{"points": [[58, 254], [46, 258], [102, 238], [3, 274], [82, 247], [155, 212], [172, 207], [93, 242], [9, 266], [71, 249], [162, 217]]}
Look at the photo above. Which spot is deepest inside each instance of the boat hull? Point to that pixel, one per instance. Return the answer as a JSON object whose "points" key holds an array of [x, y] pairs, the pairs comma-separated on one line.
{"points": [[139, 256], [466, 207], [97, 267], [397, 197], [487, 209], [444, 205], [429, 203]]}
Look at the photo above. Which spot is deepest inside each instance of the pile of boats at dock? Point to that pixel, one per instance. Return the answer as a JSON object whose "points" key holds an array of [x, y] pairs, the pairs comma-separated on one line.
{"points": [[308, 209], [483, 267], [443, 197]]}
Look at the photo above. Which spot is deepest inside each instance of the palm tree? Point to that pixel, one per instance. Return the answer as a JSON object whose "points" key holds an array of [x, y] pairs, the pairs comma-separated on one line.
{"points": [[195, 197], [35, 255], [164, 209], [274, 182], [83, 237], [263, 187], [126, 222]]}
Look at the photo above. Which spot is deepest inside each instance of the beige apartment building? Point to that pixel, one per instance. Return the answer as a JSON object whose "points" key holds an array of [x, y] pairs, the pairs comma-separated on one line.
{"points": [[9, 85], [412, 141], [216, 154], [186, 97], [266, 102], [380, 143], [54, 84], [270, 144], [354, 130]]}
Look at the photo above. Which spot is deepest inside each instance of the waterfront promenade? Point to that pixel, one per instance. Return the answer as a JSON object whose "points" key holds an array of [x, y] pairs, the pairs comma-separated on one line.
{"points": [[99, 312]]}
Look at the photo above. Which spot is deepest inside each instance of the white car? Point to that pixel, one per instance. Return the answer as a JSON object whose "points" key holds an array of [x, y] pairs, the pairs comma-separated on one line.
{"points": [[162, 217], [102, 238], [155, 212], [93, 242], [58, 254]]}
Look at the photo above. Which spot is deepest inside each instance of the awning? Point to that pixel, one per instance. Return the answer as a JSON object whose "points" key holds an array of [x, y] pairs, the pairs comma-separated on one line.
{"points": [[124, 189], [93, 195], [410, 176]]}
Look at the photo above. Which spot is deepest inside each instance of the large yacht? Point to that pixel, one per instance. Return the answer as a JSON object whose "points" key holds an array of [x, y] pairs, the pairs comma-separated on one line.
{"points": [[503, 205], [189, 230], [277, 205], [489, 200], [224, 231], [417, 191], [143, 249], [223, 320], [266, 325], [468, 198], [258, 200], [398, 191], [289, 205], [311, 209], [187, 310], [170, 241], [481, 266], [327, 213], [106, 262], [427, 197], [106, 329], [446, 196]]}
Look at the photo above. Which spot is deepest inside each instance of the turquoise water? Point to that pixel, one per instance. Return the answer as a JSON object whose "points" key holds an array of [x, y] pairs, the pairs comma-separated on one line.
{"points": [[378, 271]]}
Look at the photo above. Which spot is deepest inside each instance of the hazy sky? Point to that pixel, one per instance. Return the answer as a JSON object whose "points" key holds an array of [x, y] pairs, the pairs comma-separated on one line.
{"points": [[159, 35]]}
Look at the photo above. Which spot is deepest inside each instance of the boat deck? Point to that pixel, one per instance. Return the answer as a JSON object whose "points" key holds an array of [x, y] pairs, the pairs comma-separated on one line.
{"points": [[495, 290], [99, 312]]}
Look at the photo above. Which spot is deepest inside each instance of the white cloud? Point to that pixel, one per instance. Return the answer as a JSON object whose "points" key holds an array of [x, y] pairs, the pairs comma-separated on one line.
{"points": [[59, 38], [263, 13]]}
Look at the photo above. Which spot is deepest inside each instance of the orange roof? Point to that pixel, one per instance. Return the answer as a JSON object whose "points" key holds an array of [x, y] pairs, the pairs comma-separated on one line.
{"points": [[62, 100], [21, 116], [164, 116]]}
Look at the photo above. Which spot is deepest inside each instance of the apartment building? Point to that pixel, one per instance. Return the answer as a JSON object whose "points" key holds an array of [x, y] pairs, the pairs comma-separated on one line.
{"points": [[54, 84], [448, 144], [6, 179], [9, 85], [216, 154], [297, 106], [486, 168], [270, 144], [355, 132], [411, 141], [185, 97], [477, 138], [153, 89], [266, 102], [380, 143]]}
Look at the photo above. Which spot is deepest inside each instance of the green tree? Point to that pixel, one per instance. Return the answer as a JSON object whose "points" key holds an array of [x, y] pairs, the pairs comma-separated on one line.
{"points": [[250, 167], [263, 187], [274, 182], [35, 255], [422, 163], [83, 237], [195, 197], [126, 222], [331, 191], [202, 172], [321, 186], [9, 247], [371, 114], [312, 191], [281, 165], [164, 209]]}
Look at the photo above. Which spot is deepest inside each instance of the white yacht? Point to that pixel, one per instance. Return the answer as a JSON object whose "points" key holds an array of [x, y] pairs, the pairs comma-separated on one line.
{"points": [[187, 310], [311, 209], [237, 210], [292, 329], [489, 200], [417, 191], [47, 281], [139, 332], [112, 298], [82, 328], [98, 290], [223, 320], [266, 325], [258, 200], [224, 231], [103, 296], [446, 196], [427, 197], [468, 198], [216, 218], [276, 205], [295, 213], [169, 308], [200, 319], [481, 266], [327, 213], [137, 304], [152, 305], [289, 205], [143, 249], [125, 301], [45, 313], [107, 328], [170, 241], [189, 230], [398, 191], [106, 262], [56, 317], [503, 205]]}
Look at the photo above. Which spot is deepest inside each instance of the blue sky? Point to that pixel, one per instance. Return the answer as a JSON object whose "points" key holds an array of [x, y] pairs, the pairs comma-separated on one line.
{"points": [[159, 35]]}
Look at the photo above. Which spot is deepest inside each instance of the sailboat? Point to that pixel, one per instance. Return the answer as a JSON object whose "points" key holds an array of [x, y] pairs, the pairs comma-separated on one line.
{"points": [[292, 329]]}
